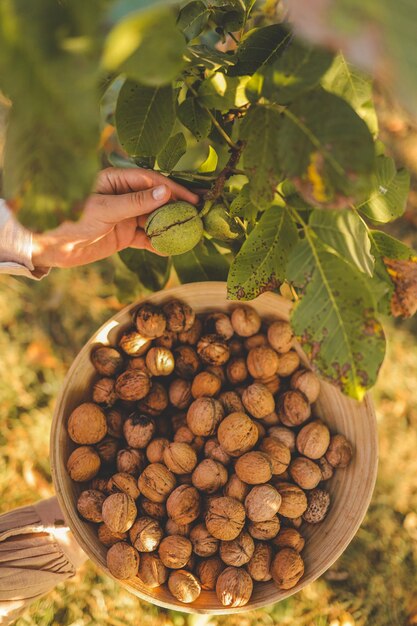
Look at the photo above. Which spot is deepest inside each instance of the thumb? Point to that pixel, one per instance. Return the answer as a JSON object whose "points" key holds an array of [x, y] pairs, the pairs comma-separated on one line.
{"points": [[114, 208]]}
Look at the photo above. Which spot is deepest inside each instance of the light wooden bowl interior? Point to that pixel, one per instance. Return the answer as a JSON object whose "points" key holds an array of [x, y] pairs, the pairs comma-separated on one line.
{"points": [[350, 488]]}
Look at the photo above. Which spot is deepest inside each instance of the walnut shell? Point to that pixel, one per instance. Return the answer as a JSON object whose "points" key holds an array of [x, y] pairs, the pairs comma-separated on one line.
{"points": [[150, 321], [114, 420], [187, 363], [273, 384], [138, 430], [184, 586], [180, 317], [123, 560], [294, 500], [153, 509], [236, 370], [205, 384], [287, 568], [155, 450], [237, 434], [180, 393], [138, 363], [236, 347], [180, 458], [183, 505], [87, 424], [231, 402], [245, 321], [156, 482], [306, 382], [131, 461], [134, 344], [234, 587], [146, 534], [340, 451], [259, 565], [217, 370], [236, 488], [160, 361], [152, 572], [107, 537], [209, 476], [313, 439], [99, 484], [213, 349], [172, 528], [265, 530], [213, 450], [239, 551], [89, 505], [208, 571], [258, 400], [119, 512], [279, 454], [168, 340], [255, 341], [225, 518], [219, 324], [284, 435], [293, 408], [107, 360], [326, 469], [192, 335], [262, 362], [318, 505], [204, 544], [123, 482], [288, 363], [204, 415], [155, 402], [83, 464], [280, 336], [107, 450], [262, 503], [132, 385], [104, 392], [305, 472], [289, 538], [254, 468]]}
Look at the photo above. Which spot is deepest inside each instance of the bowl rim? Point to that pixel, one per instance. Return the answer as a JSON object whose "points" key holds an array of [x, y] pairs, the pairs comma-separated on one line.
{"points": [[176, 605]]}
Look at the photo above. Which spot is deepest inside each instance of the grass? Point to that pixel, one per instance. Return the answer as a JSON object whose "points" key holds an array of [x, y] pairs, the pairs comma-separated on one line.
{"points": [[42, 327]]}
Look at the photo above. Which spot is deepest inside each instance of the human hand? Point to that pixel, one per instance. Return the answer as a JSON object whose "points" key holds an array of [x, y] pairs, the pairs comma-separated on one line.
{"points": [[113, 218]]}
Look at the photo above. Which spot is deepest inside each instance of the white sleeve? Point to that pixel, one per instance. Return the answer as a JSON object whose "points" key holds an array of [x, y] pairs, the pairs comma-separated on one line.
{"points": [[16, 247]]}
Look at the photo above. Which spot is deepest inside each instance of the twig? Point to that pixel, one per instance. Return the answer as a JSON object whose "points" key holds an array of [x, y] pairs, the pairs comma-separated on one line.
{"points": [[227, 171]]}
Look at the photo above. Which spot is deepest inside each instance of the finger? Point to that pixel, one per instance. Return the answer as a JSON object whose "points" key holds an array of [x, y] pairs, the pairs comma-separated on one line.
{"points": [[142, 242], [111, 209]]}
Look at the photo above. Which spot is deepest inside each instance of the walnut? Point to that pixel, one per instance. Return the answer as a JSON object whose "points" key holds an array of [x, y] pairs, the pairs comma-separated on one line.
{"points": [[231, 402], [114, 422], [107, 450], [153, 509], [265, 530], [107, 537], [217, 370], [236, 370], [259, 565], [219, 324], [184, 586], [255, 341], [273, 384], [155, 450], [180, 316], [293, 408], [262, 362], [138, 430], [296, 522], [287, 568], [180, 458], [191, 336], [138, 363], [208, 571], [279, 454], [305, 472], [131, 461], [187, 363], [155, 402], [258, 400], [150, 321], [237, 434], [236, 488], [168, 340], [204, 415], [313, 440], [87, 424], [245, 321], [213, 450], [107, 360], [306, 382], [289, 538], [156, 482], [284, 435], [262, 503], [83, 464], [104, 392], [288, 363], [234, 587], [89, 505], [318, 505], [191, 564], [204, 544], [294, 500], [183, 505], [184, 435], [123, 482], [239, 551], [152, 572], [236, 347], [134, 344], [122, 560], [146, 534], [326, 469], [339, 452], [205, 384], [180, 393], [225, 518], [280, 336], [254, 468], [172, 528], [213, 349], [132, 385], [160, 361], [174, 551], [209, 476], [119, 512], [99, 484]]}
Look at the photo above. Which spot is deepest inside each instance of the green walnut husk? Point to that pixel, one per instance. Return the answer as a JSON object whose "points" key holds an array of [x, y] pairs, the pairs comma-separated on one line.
{"points": [[220, 225], [174, 228]]}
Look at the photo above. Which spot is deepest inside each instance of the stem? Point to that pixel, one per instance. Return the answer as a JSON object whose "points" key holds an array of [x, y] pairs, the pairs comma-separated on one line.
{"points": [[206, 207], [193, 176], [233, 37]]}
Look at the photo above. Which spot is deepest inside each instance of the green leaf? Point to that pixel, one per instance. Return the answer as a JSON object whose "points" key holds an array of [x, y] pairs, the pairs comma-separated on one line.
{"points": [[145, 117], [210, 164], [258, 48], [228, 14], [193, 18], [335, 318], [223, 92], [261, 262], [208, 57], [147, 46], [195, 118], [242, 206], [327, 149], [346, 233], [204, 262], [259, 129], [151, 269], [391, 248], [171, 153], [389, 198]]}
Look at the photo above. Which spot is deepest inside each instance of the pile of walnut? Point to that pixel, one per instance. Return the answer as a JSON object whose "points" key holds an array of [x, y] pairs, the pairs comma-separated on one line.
{"points": [[202, 454]]}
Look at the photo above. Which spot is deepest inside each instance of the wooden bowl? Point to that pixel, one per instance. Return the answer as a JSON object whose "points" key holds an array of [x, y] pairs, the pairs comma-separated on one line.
{"points": [[350, 488]]}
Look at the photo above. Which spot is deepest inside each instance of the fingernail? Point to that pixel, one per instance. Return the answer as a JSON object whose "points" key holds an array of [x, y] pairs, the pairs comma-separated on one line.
{"points": [[159, 192]]}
